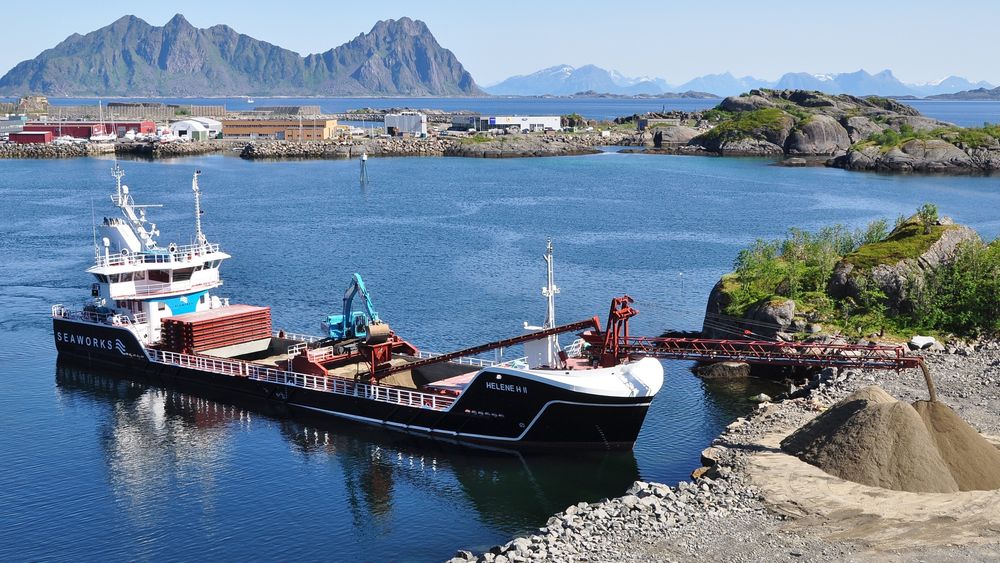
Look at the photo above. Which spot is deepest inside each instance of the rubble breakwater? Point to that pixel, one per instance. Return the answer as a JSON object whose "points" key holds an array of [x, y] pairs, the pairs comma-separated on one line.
{"points": [[52, 150], [501, 146], [726, 513], [478, 146]]}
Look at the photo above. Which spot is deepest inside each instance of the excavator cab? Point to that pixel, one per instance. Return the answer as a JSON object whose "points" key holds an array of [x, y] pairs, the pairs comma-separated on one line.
{"points": [[350, 323]]}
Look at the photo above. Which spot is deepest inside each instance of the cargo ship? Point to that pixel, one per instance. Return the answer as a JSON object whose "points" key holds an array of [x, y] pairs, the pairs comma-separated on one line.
{"points": [[154, 313]]}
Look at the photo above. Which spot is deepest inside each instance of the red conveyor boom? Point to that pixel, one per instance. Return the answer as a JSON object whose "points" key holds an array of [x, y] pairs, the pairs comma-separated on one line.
{"points": [[773, 353], [593, 323]]}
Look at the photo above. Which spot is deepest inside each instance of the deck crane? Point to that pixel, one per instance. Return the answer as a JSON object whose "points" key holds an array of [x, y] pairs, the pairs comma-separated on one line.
{"points": [[363, 325]]}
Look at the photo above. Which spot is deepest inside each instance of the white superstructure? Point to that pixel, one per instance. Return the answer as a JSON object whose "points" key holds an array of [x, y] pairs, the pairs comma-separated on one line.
{"points": [[142, 282]]}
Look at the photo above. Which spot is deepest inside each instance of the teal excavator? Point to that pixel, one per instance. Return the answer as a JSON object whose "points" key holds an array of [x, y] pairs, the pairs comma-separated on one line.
{"points": [[362, 325]]}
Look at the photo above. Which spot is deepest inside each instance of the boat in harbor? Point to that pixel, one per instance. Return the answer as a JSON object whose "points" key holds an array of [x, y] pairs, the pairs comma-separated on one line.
{"points": [[154, 313]]}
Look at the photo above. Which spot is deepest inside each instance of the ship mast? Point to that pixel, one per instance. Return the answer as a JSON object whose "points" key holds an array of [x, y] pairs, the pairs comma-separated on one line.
{"points": [[118, 174], [198, 235], [550, 290]]}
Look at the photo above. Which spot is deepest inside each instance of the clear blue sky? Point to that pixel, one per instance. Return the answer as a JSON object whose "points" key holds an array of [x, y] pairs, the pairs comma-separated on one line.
{"points": [[919, 40]]}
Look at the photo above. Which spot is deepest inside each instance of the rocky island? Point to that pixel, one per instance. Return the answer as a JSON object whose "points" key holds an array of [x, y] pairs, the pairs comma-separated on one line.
{"points": [[859, 133]]}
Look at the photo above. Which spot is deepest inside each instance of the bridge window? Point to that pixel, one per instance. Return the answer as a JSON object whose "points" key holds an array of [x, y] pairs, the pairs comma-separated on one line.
{"points": [[159, 276]]}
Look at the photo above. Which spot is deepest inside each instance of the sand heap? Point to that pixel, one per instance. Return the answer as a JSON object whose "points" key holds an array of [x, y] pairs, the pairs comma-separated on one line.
{"points": [[871, 438]]}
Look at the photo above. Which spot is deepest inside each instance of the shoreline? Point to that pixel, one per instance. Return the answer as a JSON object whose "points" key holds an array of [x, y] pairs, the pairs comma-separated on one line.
{"points": [[502, 146], [729, 512]]}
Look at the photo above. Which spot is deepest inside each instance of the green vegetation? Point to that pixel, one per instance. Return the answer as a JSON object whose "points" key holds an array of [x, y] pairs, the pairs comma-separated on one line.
{"points": [[758, 122], [476, 139], [973, 137], [797, 267], [182, 111], [906, 241], [962, 297]]}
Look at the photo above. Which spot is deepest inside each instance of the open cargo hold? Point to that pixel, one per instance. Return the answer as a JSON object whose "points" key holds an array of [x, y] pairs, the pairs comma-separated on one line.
{"points": [[216, 328]]}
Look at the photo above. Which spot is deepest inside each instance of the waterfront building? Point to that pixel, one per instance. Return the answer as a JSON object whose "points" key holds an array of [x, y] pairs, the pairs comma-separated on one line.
{"points": [[12, 124], [212, 126], [406, 123], [190, 130], [507, 122], [86, 129], [31, 137], [290, 129]]}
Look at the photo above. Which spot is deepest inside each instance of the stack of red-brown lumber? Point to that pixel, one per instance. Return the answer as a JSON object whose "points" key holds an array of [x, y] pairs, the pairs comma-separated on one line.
{"points": [[216, 328]]}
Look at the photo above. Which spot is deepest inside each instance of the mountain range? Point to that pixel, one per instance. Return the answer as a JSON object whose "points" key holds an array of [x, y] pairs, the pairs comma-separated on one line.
{"points": [[565, 80], [133, 58], [981, 94]]}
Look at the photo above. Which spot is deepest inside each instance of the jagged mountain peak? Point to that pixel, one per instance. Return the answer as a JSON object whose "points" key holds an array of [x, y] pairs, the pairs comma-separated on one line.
{"points": [[130, 57]]}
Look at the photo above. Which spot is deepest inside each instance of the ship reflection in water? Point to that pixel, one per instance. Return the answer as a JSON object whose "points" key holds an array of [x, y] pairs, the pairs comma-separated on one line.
{"points": [[164, 444]]}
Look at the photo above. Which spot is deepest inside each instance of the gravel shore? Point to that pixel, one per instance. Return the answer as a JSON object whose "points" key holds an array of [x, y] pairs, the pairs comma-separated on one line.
{"points": [[723, 515]]}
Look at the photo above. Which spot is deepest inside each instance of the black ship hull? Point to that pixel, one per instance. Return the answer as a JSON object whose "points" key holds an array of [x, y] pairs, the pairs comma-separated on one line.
{"points": [[499, 407]]}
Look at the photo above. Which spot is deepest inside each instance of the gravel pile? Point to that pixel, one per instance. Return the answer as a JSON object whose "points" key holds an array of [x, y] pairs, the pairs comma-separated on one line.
{"points": [[720, 515]]}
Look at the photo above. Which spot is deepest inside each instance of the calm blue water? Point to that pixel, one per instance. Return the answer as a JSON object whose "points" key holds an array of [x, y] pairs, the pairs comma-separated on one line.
{"points": [[100, 468], [964, 113]]}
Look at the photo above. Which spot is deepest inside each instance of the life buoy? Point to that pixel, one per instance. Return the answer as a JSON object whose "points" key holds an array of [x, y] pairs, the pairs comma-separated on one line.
{"points": [[172, 247], [124, 252]]}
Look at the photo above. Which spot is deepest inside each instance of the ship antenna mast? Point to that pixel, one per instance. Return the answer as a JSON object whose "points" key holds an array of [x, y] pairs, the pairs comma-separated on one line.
{"points": [[198, 235], [118, 174], [93, 220], [550, 290]]}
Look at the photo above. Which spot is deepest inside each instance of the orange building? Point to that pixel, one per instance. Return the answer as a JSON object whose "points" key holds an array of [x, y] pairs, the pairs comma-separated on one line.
{"points": [[289, 129]]}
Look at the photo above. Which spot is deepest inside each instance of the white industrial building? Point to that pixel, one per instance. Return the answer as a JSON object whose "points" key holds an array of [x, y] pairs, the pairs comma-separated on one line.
{"points": [[213, 126], [522, 122], [190, 130], [406, 123]]}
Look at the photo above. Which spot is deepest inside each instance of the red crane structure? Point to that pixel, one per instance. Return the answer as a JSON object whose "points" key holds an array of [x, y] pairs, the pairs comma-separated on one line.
{"points": [[616, 344]]}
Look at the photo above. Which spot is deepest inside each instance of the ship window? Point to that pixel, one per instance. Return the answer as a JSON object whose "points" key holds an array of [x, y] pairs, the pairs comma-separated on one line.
{"points": [[161, 306], [140, 275], [159, 275], [183, 274], [204, 297], [101, 278], [126, 277]]}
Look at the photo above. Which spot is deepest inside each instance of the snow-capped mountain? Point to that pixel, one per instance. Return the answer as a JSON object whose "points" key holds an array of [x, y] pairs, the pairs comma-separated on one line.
{"points": [[565, 80]]}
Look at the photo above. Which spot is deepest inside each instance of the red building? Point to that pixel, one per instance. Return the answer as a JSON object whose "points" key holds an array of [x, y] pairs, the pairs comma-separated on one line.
{"points": [[86, 129], [140, 127], [78, 129], [28, 137]]}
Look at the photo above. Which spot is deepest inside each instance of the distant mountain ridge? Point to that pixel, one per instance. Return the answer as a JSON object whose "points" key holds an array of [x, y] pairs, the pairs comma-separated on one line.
{"points": [[133, 58], [983, 94], [565, 79]]}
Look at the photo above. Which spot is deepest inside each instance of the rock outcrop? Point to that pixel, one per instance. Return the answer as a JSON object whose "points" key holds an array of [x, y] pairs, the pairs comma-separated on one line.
{"points": [[894, 279], [870, 133], [819, 135], [932, 155]]}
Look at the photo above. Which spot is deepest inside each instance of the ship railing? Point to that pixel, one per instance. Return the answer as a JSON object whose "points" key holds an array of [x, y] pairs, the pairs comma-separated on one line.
{"points": [[115, 319], [148, 289], [336, 385], [465, 361], [575, 348], [478, 362], [320, 355], [160, 256], [305, 338]]}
